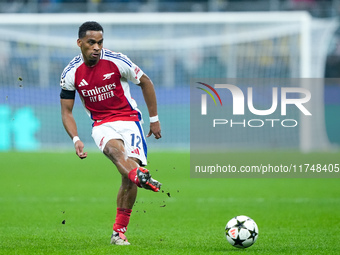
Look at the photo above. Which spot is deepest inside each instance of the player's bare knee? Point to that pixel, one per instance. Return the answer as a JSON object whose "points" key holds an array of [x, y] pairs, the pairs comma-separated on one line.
{"points": [[113, 153]]}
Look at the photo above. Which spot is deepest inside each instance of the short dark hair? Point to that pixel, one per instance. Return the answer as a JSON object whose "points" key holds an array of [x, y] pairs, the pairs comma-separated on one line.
{"points": [[89, 26]]}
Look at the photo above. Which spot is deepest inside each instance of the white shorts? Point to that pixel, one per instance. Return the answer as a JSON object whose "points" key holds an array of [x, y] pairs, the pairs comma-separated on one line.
{"points": [[130, 132]]}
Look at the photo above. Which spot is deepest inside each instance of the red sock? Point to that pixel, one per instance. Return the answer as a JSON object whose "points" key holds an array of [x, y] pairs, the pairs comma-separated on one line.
{"points": [[133, 176], [122, 220]]}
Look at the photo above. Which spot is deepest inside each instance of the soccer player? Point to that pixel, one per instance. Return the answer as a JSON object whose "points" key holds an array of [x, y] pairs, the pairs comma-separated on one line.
{"points": [[100, 77]]}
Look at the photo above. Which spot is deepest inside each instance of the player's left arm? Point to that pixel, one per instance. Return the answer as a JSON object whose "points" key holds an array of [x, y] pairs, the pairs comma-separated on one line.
{"points": [[151, 102]]}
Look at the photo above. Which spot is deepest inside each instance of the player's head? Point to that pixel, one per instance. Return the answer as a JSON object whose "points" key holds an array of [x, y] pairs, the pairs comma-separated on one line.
{"points": [[89, 26], [90, 40]]}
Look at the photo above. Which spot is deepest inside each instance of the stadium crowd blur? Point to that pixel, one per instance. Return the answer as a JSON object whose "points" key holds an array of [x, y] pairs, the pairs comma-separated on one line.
{"points": [[29, 60], [317, 8]]}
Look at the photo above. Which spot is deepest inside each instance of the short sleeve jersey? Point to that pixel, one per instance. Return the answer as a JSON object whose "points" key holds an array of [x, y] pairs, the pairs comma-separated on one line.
{"points": [[104, 88]]}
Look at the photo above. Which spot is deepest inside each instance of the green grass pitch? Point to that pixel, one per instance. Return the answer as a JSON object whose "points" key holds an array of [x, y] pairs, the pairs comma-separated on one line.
{"points": [[54, 203]]}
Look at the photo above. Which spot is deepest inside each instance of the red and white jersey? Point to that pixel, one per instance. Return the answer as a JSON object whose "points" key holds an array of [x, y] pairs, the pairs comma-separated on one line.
{"points": [[104, 88]]}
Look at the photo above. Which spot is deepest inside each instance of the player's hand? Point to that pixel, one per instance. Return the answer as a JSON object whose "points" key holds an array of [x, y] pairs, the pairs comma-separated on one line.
{"points": [[79, 146], [155, 129]]}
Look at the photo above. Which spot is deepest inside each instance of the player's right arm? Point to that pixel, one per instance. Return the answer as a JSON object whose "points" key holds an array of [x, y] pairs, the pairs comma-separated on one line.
{"points": [[67, 96], [70, 125]]}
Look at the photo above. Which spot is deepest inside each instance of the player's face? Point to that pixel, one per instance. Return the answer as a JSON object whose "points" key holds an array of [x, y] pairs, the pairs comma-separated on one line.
{"points": [[90, 47]]}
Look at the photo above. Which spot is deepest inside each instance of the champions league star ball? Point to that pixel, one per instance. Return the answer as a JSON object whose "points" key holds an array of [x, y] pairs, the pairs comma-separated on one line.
{"points": [[241, 231]]}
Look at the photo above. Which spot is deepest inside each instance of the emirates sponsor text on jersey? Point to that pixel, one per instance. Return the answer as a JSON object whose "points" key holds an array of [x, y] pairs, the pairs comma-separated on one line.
{"points": [[99, 93]]}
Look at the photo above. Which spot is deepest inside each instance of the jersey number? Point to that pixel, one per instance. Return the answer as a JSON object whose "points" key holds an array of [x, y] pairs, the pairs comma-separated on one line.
{"points": [[137, 139]]}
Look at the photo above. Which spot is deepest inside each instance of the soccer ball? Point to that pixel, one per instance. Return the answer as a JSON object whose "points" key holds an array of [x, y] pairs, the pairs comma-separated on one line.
{"points": [[241, 231]]}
